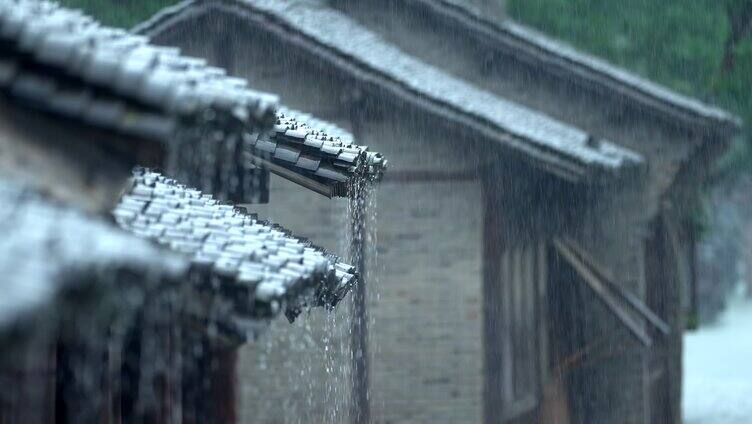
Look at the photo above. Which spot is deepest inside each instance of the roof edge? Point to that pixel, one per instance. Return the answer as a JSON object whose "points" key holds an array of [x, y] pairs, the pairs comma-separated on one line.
{"points": [[589, 69], [568, 168], [152, 24]]}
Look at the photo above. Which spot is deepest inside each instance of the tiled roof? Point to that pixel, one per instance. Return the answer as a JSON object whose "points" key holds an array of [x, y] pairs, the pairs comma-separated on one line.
{"points": [[62, 61], [46, 249], [321, 153], [562, 58], [272, 269], [335, 37]]}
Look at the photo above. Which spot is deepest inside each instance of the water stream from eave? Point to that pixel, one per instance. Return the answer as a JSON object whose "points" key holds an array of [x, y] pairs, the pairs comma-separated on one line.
{"points": [[301, 372], [361, 246]]}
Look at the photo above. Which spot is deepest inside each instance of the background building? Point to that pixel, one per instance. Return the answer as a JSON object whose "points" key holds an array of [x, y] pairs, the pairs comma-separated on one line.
{"points": [[524, 176]]}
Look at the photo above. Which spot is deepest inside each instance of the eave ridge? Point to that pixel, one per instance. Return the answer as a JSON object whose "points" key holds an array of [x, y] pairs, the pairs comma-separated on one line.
{"points": [[583, 65]]}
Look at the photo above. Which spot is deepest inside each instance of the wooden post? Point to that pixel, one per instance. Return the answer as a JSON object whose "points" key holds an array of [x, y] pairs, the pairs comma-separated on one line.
{"points": [[693, 282], [223, 384], [493, 247]]}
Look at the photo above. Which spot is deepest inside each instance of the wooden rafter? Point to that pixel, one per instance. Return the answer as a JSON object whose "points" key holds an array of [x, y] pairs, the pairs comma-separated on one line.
{"points": [[602, 292], [607, 277]]}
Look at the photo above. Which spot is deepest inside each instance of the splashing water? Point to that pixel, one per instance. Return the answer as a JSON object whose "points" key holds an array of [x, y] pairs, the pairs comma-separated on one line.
{"points": [[302, 372]]}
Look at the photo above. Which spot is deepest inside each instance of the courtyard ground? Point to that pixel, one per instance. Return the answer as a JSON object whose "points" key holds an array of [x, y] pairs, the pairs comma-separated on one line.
{"points": [[718, 369]]}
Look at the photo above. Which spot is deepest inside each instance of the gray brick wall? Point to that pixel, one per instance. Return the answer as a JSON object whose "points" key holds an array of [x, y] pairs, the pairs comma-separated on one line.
{"points": [[426, 351]]}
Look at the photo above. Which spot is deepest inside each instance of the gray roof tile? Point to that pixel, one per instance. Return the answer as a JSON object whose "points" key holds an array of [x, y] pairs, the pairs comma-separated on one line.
{"points": [[48, 249], [309, 163], [580, 62], [277, 269], [287, 154], [60, 61], [71, 103], [74, 48], [313, 148], [339, 32]]}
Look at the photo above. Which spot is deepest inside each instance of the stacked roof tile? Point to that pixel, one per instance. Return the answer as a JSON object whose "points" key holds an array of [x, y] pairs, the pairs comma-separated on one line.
{"points": [[48, 249], [62, 61], [266, 267], [318, 155]]}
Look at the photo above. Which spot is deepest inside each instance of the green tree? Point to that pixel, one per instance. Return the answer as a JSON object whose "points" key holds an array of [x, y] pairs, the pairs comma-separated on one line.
{"points": [[120, 13], [739, 14]]}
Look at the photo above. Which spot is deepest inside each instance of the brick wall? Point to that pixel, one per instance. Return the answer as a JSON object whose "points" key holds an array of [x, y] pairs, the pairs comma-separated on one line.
{"points": [[426, 351]]}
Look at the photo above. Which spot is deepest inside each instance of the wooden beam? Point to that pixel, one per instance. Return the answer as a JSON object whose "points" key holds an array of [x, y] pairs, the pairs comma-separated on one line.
{"points": [[602, 292], [292, 176], [693, 283], [682, 265], [542, 314], [417, 176], [638, 305]]}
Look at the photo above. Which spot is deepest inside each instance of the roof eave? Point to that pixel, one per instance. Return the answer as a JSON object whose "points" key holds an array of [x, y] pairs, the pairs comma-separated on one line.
{"points": [[295, 177], [722, 123], [569, 169]]}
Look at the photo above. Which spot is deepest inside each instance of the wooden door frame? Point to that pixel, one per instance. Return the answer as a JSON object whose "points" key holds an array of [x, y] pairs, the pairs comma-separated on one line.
{"points": [[495, 244]]}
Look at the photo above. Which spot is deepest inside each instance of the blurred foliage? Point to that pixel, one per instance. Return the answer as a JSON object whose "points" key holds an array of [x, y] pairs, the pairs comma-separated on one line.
{"points": [[692, 321], [679, 43], [119, 13]]}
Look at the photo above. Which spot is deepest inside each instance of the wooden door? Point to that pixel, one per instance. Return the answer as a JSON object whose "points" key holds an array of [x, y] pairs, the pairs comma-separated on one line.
{"points": [[515, 341], [663, 297]]}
